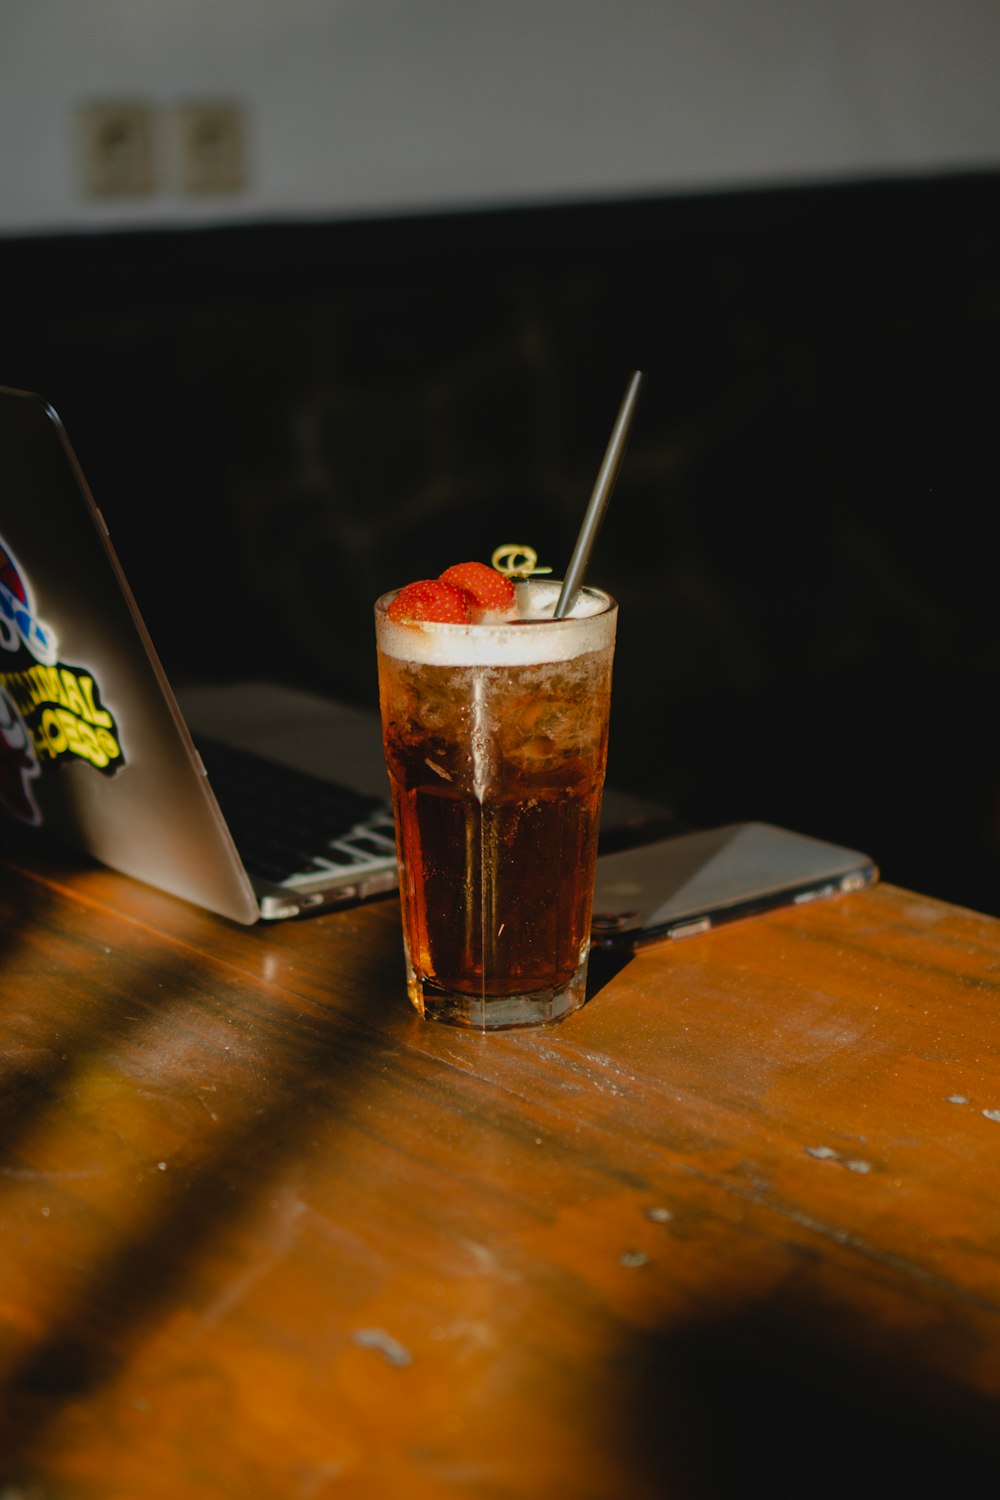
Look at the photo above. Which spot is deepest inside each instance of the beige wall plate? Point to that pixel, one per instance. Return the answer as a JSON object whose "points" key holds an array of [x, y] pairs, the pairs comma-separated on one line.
{"points": [[210, 147], [116, 143]]}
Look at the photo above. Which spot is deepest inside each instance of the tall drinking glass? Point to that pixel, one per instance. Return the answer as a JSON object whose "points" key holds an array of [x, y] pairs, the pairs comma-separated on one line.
{"points": [[496, 741]]}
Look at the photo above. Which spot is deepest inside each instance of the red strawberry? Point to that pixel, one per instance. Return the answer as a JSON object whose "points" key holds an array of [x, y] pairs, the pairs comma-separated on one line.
{"points": [[487, 588], [430, 599]]}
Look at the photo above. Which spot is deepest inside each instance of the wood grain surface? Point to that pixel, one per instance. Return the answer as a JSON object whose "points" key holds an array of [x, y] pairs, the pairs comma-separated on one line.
{"points": [[733, 1229]]}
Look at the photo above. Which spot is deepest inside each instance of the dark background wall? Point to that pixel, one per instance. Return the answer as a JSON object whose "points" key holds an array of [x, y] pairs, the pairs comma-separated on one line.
{"points": [[281, 421]]}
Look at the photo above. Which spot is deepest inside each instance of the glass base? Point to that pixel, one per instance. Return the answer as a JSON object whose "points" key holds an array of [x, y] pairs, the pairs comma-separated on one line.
{"points": [[497, 1012]]}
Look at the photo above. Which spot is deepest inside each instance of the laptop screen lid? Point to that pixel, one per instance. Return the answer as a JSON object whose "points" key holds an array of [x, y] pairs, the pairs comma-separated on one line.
{"points": [[93, 745]]}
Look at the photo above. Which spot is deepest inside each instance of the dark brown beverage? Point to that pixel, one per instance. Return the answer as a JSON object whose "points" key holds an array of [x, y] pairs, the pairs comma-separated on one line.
{"points": [[497, 766]]}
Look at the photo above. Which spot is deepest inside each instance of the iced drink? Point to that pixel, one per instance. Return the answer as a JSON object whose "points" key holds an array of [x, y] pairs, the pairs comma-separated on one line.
{"points": [[496, 740]]}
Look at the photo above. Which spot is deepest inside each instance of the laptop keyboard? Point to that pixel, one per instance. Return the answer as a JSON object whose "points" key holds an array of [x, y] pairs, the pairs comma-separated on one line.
{"points": [[292, 828]]}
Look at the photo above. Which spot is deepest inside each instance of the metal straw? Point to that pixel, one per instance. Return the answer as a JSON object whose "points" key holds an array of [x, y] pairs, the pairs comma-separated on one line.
{"points": [[603, 487]]}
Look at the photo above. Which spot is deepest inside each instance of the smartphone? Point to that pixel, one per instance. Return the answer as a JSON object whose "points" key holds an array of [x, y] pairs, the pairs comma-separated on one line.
{"points": [[692, 882]]}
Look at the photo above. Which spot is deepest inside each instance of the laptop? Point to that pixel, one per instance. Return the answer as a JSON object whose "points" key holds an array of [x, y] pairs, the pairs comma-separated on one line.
{"points": [[251, 800]]}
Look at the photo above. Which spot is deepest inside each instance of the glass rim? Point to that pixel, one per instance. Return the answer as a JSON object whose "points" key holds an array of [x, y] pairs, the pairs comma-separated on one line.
{"points": [[459, 628]]}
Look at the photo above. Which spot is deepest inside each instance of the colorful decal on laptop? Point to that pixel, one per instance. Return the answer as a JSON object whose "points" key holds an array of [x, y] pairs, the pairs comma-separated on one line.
{"points": [[50, 712]]}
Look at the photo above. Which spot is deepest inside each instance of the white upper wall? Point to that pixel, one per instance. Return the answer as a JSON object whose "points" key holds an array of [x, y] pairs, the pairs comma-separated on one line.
{"points": [[376, 106]]}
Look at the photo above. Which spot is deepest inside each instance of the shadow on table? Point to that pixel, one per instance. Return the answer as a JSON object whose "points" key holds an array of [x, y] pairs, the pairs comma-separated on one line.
{"points": [[793, 1402], [602, 967], [40, 1058], [288, 1073]]}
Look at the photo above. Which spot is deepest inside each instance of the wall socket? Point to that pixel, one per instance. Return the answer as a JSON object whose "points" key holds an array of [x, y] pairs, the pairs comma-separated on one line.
{"points": [[116, 140], [127, 149], [210, 147]]}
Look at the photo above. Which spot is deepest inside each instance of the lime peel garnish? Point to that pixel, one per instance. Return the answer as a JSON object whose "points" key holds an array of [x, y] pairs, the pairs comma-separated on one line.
{"points": [[517, 561]]}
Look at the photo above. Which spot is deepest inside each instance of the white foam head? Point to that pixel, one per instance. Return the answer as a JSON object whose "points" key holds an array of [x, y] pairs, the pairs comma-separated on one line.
{"points": [[531, 635]]}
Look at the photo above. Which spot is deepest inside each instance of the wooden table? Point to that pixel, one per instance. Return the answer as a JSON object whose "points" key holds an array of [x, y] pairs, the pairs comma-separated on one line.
{"points": [[732, 1230]]}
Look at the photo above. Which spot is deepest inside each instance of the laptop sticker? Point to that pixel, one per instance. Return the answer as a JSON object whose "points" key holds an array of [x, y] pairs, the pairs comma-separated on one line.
{"points": [[18, 763], [51, 713]]}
